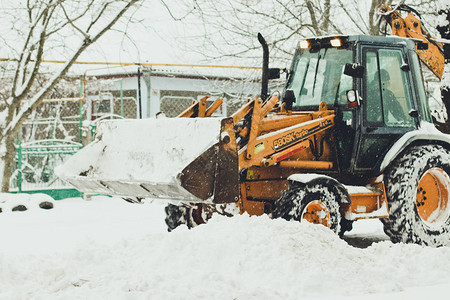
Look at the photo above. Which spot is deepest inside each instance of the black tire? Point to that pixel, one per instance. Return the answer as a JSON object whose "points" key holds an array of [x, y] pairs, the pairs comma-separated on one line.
{"points": [[288, 206], [403, 189], [196, 214], [19, 207], [46, 205], [293, 204], [180, 215]]}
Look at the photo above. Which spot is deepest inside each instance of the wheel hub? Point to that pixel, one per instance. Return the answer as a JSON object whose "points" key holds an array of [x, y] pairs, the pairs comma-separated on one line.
{"points": [[433, 197], [316, 212]]}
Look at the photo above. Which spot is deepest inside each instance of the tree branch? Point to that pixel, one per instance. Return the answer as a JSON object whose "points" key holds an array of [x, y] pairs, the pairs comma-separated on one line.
{"points": [[31, 105], [71, 22]]}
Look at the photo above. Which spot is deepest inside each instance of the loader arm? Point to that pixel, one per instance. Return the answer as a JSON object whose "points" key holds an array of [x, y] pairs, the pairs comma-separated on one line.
{"points": [[198, 109], [411, 27], [272, 139]]}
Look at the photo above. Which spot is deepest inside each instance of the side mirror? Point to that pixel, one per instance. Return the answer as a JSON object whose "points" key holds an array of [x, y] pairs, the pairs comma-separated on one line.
{"points": [[354, 70], [422, 46], [289, 99], [413, 113], [274, 73]]}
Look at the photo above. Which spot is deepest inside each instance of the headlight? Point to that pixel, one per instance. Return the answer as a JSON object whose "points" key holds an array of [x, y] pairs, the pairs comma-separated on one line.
{"points": [[304, 44], [335, 42]]}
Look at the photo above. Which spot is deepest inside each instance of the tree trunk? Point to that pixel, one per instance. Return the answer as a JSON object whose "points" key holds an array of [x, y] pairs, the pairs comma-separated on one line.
{"points": [[7, 161], [373, 17], [312, 14], [326, 16]]}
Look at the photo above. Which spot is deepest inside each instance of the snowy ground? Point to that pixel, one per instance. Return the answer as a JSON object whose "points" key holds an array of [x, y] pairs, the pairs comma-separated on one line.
{"points": [[108, 248]]}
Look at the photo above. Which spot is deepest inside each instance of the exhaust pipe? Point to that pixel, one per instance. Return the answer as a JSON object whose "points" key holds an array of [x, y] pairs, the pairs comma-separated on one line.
{"points": [[265, 68]]}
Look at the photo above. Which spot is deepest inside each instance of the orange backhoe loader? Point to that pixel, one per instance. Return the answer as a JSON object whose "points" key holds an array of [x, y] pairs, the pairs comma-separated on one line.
{"points": [[350, 137]]}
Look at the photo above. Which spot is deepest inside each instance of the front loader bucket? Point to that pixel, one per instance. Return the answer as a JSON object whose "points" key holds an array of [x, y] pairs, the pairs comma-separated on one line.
{"points": [[186, 159]]}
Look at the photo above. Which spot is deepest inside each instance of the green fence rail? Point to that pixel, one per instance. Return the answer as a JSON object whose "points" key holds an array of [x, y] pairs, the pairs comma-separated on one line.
{"points": [[35, 164]]}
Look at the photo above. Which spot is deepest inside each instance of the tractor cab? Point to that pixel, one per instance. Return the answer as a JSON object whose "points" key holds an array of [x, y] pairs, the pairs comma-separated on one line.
{"points": [[369, 81]]}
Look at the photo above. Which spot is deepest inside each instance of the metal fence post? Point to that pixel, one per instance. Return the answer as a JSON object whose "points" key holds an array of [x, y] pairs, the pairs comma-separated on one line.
{"points": [[121, 97], [19, 166], [80, 129]]}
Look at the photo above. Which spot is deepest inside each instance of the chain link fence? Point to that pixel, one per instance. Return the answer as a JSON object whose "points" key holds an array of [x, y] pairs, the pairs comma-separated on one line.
{"points": [[54, 119], [126, 107], [173, 103], [172, 106]]}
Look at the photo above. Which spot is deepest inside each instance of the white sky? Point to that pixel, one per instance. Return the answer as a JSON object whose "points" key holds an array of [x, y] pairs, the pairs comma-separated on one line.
{"points": [[155, 40]]}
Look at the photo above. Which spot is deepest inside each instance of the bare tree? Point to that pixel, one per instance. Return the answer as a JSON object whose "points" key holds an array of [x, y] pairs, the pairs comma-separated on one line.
{"points": [[38, 29], [229, 27]]}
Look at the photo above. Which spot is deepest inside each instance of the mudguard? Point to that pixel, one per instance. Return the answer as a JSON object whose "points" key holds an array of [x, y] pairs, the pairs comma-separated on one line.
{"points": [[426, 133]]}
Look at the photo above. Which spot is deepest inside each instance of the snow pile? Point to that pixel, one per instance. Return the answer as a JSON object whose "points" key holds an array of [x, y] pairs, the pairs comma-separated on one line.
{"points": [[117, 253], [21, 202]]}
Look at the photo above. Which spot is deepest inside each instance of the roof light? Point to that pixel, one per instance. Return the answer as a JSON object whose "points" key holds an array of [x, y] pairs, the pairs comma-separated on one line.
{"points": [[304, 44], [335, 42]]}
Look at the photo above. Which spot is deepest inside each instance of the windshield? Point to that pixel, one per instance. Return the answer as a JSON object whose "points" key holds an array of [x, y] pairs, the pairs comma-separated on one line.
{"points": [[319, 77]]}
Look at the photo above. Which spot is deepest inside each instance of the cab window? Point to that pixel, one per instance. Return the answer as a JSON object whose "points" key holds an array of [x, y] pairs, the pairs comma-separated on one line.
{"points": [[387, 96], [318, 76]]}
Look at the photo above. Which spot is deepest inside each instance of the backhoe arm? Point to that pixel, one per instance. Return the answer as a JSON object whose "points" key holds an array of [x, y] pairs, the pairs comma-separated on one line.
{"points": [[411, 27]]}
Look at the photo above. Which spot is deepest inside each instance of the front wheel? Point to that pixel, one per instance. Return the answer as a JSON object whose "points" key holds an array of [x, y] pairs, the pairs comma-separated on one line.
{"points": [[315, 203], [418, 187]]}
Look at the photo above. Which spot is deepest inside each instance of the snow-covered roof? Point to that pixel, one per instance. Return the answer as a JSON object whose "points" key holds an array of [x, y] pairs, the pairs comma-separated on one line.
{"points": [[179, 71]]}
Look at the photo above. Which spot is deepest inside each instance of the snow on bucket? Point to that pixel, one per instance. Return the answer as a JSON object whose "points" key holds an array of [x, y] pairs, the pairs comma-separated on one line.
{"points": [[173, 158]]}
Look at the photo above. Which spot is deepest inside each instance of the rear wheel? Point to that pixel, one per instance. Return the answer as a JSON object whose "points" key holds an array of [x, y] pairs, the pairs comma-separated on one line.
{"points": [[316, 203], [417, 187]]}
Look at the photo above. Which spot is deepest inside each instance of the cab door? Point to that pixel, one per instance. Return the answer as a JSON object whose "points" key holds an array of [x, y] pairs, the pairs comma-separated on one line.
{"points": [[385, 105]]}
